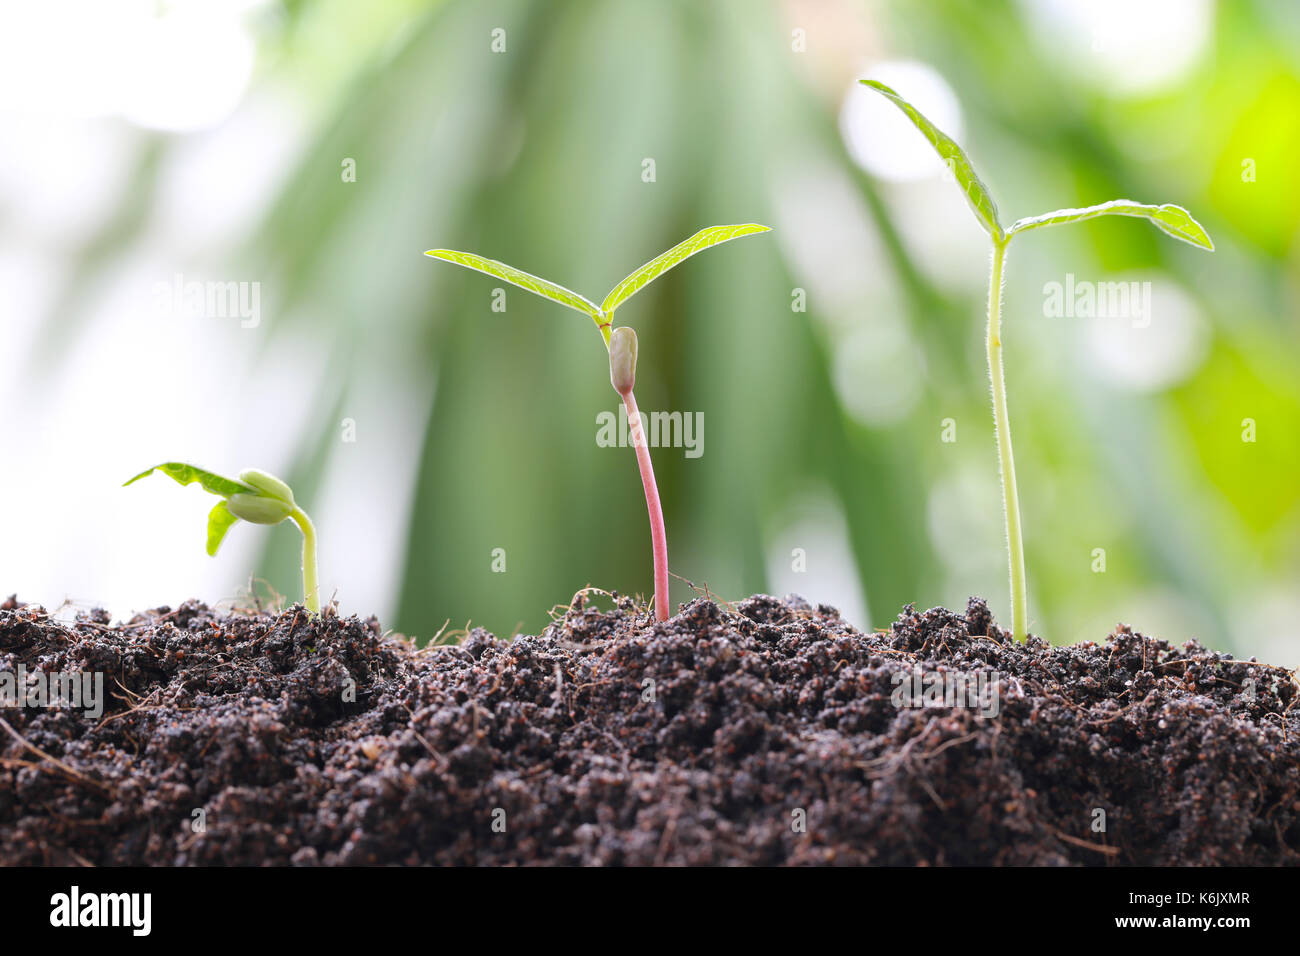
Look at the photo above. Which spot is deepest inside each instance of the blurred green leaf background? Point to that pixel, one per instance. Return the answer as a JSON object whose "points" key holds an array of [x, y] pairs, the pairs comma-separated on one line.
{"points": [[823, 438]]}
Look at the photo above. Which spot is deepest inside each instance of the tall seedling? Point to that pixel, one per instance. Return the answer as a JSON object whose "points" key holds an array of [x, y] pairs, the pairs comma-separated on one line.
{"points": [[1174, 220]]}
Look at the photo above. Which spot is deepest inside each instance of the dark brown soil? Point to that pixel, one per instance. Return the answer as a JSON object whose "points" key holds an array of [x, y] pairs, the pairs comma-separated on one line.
{"points": [[611, 740]]}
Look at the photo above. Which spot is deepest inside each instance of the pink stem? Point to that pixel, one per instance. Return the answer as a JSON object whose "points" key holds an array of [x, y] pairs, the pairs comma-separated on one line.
{"points": [[658, 539]]}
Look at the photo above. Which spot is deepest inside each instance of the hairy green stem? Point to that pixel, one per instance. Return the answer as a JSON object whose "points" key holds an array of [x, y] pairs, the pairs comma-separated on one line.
{"points": [[1006, 461], [310, 588]]}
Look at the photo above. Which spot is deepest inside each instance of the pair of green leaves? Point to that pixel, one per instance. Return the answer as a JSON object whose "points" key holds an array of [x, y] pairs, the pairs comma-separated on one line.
{"points": [[258, 497], [1173, 220], [601, 314]]}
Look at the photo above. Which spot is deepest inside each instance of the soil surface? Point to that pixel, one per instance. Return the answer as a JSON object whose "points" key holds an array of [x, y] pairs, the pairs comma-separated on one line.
{"points": [[769, 732]]}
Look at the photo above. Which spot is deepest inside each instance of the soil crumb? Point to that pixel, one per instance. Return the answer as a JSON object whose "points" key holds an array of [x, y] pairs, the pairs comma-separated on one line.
{"points": [[765, 733]]}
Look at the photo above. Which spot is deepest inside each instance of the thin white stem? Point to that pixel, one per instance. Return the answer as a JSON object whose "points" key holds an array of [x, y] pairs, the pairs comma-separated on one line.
{"points": [[1006, 460], [310, 587]]}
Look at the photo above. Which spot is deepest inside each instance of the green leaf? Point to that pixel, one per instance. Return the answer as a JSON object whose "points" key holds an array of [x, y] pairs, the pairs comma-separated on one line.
{"points": [[660, 264], [548, 290], [188, 474], [977, 194], [1175, 220], [220, 520]]}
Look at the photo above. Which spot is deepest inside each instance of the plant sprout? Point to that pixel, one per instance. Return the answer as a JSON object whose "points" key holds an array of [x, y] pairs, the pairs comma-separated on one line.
{"points": [[621, 345], [257, 497], [1171, 219]]}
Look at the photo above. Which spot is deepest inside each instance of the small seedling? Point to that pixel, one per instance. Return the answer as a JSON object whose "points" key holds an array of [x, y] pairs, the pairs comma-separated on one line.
{"points": [[258, 497], [1171, 219], [621, 346]]}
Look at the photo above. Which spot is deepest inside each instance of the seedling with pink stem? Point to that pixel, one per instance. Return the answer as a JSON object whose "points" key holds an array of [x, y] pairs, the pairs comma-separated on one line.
{"points": [[621, 345]]}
